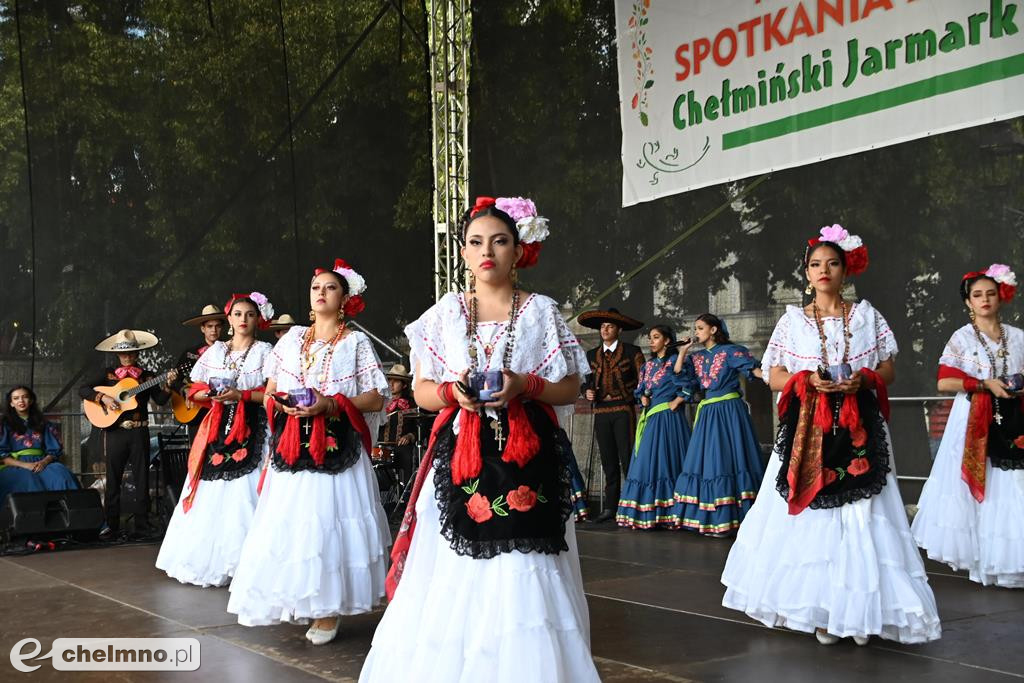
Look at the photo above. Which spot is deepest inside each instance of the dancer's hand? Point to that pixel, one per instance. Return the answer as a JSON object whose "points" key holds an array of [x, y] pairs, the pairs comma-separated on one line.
{"points": [[822, 385], [675, 403], [322, 404], [229, 396], [466, 402], [852, 385], [997, 387], [645, 401]]}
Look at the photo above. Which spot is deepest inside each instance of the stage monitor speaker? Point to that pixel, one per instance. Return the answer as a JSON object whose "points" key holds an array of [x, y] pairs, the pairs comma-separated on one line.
{"points": [[41, 514]]}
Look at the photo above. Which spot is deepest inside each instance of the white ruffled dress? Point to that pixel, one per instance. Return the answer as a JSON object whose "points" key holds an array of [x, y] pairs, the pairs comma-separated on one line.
{"points": [[202, 546], [318, 545], [986, 538], [511, 618], [852, 570]]}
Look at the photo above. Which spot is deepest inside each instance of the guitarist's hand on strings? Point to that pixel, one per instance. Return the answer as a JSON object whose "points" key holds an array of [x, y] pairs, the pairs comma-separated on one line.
{"points": [[110, 403]]}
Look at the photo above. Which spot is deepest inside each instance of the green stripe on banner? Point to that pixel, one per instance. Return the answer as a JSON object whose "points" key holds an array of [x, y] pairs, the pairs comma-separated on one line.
{"points": [[980, 74]]}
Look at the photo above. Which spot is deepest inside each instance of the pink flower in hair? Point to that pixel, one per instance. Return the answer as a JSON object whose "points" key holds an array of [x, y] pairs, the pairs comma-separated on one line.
{"points": [[517, 207], [1002, 274], [835, 234]]}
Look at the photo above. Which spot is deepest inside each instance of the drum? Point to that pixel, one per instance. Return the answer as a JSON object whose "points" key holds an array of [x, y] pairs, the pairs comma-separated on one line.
{"points": [[383, 452], [390, 485]]}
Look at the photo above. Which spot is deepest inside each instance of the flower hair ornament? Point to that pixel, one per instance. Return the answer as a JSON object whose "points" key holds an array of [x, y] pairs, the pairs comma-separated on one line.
{"points": [[1003, 276], [356, 286], [852, 246], [263, 307], [532, 229]]}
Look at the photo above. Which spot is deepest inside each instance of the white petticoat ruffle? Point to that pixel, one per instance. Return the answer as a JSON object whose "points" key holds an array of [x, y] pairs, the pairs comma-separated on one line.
{"points": [[985, 539], [317, 547], [852, 570], [511, 618], [202, 547]]}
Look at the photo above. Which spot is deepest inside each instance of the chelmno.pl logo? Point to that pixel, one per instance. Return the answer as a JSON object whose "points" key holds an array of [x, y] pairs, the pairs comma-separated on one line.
{"points": [[109, 654]]}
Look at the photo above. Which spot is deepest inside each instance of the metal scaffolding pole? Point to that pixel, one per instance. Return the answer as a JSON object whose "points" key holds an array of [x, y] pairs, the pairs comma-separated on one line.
{"points": [[449, 37]]}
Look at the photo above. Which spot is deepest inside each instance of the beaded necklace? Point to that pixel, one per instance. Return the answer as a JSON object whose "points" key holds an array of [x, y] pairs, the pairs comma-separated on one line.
{"points": [[1002, 353], [307, 358], [236, 366], [837, 403], [506, 361]]}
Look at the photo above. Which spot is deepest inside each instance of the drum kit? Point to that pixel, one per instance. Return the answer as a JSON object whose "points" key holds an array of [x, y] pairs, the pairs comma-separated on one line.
{"points": [[395, 485]]}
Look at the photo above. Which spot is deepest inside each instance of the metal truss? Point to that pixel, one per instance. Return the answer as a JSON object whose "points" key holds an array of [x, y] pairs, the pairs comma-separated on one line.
{"points": [[449, 34]]}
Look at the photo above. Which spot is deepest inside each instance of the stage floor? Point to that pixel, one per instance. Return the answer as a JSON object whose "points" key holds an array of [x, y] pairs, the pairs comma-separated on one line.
{"points": [[655, 614]]}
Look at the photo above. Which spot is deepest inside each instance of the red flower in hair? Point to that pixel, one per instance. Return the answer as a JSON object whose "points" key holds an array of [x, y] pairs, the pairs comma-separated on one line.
{"points": [[1006, 291], [857, 261], [354, 306], [531, 254], [340, 263]]}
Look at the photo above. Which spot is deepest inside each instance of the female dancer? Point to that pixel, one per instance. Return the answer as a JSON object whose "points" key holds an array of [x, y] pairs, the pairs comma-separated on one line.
{"points": [[722, 470], [827, 547], [662, 435], [971, 510], [29, 448], [317, 547], [204, 538], [490, 582]]}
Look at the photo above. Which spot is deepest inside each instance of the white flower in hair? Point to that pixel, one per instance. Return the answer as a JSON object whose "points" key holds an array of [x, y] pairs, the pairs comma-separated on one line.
{"points": [[533, 229], [263, 304], [355, 281]]}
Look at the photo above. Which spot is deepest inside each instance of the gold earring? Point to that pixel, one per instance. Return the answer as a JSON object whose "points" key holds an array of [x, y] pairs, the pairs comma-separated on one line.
{"points": [[312, 316], [809, 289], [341, 316], [472, 281], [972, 314]]}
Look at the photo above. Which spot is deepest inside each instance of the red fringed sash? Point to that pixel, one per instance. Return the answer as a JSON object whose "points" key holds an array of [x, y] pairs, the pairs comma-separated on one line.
{"points": [[972, 464], [288, 444], [207, 431], [806, 475], [467, 453]]}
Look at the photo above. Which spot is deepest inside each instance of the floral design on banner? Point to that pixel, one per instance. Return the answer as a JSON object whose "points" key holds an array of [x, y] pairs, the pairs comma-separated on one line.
{"points": [[643, 56]]}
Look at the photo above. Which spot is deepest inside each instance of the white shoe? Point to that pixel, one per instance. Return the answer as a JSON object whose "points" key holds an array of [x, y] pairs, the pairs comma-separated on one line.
{"points": [[861, 640], [825, 638], [322, 636]]}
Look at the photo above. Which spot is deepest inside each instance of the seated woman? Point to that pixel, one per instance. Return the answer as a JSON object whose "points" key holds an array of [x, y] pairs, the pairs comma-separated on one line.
{"points": [[29, 448]]}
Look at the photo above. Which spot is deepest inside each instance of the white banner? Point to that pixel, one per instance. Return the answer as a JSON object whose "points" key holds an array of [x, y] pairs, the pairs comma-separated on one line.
{"points": [[716, 90]]}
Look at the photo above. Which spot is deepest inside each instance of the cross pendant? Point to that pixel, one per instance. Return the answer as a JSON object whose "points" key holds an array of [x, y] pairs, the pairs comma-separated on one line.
{"points": [[306, 428], [499, 433], [999, 419]]}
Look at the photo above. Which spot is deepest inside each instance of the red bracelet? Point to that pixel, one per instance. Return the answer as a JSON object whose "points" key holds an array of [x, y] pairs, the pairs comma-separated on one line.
{"points": [[971, 385], [247, 395], [446, 392], [534, 386]]}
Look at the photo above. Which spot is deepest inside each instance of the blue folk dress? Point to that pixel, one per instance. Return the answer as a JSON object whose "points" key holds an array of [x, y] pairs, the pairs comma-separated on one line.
{"points": [[31, 446], [722, 469], [662, 436]]}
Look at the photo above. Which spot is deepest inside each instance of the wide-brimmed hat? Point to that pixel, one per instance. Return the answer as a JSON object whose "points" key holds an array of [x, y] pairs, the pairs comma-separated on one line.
{"points": [[398, 371], [282, 323], [128, 341], [594, 319], [210, 312]]}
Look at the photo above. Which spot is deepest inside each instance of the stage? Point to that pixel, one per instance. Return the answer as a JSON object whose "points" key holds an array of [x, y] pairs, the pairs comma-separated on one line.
{"points": [[654, 609]]}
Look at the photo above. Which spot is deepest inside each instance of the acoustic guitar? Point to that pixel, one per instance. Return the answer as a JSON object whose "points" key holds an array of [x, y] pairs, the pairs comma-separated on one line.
{"points": [[124, 393], [182, 413]]}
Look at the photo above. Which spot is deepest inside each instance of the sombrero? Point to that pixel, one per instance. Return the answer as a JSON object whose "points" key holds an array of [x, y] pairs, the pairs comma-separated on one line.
{"points": [[210, 312], [127, 341], [282, 323], [594, 319], [398, 371]]}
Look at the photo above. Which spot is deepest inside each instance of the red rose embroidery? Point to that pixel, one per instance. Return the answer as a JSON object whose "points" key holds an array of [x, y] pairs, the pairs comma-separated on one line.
{"points": [[1019, 441], [522, 499], [332, 443], [830, 476], [240, 454], [217, 459], [858, 466], [479, 508]]}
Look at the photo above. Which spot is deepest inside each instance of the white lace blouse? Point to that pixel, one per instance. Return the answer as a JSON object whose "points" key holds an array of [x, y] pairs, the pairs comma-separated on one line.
{"points": [[964, 352], [354, 368], [796, 345], [544, 344], [216, 361]]}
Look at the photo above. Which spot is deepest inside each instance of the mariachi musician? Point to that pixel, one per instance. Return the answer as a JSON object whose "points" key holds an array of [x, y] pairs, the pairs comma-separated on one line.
{"points": [[126, 440], [210, 323], [615, 373], [400, 428]]}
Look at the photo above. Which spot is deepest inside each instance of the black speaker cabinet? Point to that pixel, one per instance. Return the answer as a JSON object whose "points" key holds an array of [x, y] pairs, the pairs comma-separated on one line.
{"points": [[51, 513]]}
